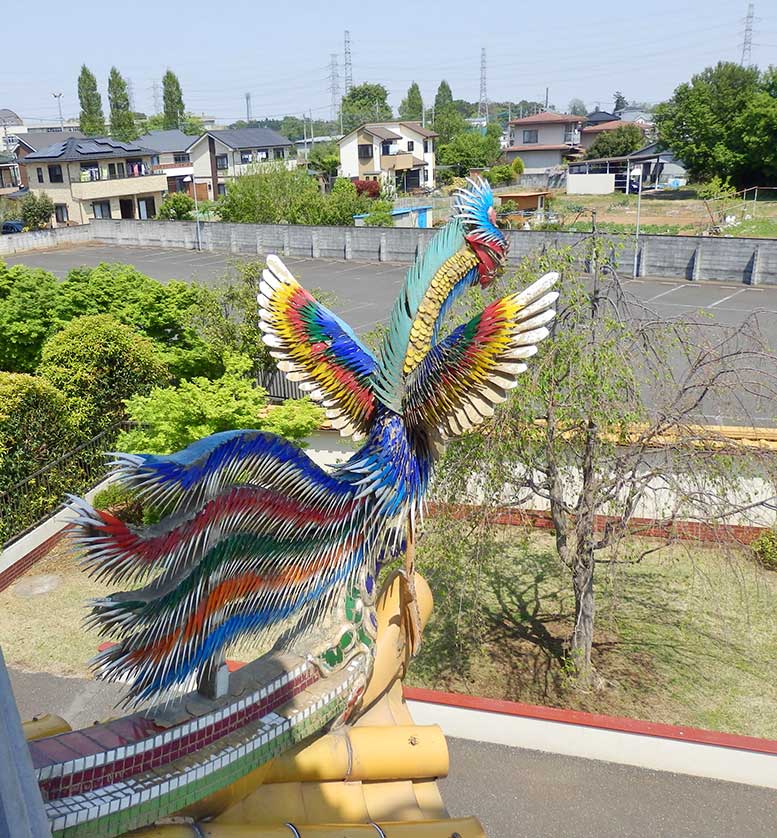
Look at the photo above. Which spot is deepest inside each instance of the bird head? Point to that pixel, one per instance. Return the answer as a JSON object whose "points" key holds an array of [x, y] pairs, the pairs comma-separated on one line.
{"points": [[475, 207]]}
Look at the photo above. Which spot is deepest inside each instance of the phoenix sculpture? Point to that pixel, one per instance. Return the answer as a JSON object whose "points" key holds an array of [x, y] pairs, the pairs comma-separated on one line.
{"points": [[255, 537]]}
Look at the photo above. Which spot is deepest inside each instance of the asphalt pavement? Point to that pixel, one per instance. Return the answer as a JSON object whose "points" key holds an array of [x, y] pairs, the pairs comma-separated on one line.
{"points": [[365, 291], [516, 793]]}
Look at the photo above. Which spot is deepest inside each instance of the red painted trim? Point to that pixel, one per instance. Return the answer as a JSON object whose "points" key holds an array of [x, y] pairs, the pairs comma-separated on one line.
{"points": [[23, 564], [578, 717]]}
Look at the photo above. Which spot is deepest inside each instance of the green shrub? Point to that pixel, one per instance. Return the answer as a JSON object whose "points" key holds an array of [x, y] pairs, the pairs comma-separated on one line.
{"points": [[120, 501], [716, 189], [97, 363], [499, 175], [177, 206], [36, 210], [35, 426], [380, 214], [765, 549], [517, 167]]}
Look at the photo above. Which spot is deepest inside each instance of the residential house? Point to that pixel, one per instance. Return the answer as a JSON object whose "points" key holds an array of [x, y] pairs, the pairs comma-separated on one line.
{"points": [[544, 140], [96, 177], [9, 174], [596, 117], [590, 133], [173, 160], [219, 156], [637, 115], [401, 152], [12, 126], [25, 144]]}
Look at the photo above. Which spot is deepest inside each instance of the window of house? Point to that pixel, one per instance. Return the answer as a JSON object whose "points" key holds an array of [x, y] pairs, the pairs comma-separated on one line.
{"points": [[120, 170], [410, 145], [530, 135], [427, 146], [365, 151], [262, 154], [181, 157], [221, 161], [222, 189], [385, 148], [60, 213], [111, 170], [55, 174], [278, 153], [39, 171], [101, 209], [246, 156]]}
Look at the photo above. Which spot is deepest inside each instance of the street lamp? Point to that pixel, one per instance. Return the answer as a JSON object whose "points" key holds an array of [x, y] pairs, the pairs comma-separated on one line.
{"points": [[190, 179], [637, 173]]}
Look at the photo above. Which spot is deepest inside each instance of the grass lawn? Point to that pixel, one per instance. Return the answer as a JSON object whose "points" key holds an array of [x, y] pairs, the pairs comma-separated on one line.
{"points": [[687, 636]]}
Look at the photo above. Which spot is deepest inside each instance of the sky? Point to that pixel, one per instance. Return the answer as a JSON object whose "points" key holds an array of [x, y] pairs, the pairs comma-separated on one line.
{"points": [[281, 52]]}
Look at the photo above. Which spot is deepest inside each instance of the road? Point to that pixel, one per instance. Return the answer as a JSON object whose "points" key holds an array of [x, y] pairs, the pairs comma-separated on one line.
{"points": [[517, 793], [365, 292]]}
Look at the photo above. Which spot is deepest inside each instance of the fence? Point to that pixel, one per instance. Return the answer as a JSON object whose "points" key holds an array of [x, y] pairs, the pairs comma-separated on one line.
{"points": [[25, 504], [278, 387]]}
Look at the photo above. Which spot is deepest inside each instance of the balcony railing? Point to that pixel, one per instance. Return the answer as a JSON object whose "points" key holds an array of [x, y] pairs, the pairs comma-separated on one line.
{"points": [[89, 175]]}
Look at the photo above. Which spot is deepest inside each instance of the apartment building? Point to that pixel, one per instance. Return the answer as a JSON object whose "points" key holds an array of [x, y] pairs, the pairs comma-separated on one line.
{"points": [[96, 177], [402, 152], [219, 156]]}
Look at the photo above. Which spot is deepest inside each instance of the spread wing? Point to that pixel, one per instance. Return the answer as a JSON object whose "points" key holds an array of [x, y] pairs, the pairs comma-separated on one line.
{"points": [[314, 347], [463, 378]]}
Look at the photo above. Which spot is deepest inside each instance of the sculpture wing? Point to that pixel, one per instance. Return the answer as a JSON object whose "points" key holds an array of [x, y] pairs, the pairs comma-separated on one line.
{"points": [[463, 378], [255, 534], [314, 347]]}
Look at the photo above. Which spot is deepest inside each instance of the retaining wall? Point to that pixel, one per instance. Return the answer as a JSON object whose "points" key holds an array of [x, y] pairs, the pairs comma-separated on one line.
{"points": [[750, 261]]}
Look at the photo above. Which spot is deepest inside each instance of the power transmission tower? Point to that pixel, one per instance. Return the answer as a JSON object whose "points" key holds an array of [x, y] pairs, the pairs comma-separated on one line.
{"points": [[347, 63], [131, 94], [155, 92], [334, 84], [248, 107], [483, 103], [747, 43]]}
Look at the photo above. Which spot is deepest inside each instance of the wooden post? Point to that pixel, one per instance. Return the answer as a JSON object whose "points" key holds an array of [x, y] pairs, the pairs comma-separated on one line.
{"points": [[414, 633]]}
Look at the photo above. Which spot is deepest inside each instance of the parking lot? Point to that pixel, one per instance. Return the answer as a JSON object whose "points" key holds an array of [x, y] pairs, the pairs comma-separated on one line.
{"points": [[365, 291]]}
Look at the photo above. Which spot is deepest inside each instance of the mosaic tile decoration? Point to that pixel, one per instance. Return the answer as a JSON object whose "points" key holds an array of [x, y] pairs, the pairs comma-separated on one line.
{"points": [[130, 778]]}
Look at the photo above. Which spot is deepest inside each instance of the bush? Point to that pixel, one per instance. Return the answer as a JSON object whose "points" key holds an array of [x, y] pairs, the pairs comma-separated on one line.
{"points": [[380, 215], [177, 206], [120, 501], [171, 418], [517, 167], [499, 175], [370, 188], [35, 426], [97, 363], [716, 189], [27, 317], [36, 210], [765, 549]]}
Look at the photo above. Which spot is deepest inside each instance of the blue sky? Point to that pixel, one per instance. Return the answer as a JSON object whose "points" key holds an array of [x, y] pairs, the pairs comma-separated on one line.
{"points": [[280, 53]]}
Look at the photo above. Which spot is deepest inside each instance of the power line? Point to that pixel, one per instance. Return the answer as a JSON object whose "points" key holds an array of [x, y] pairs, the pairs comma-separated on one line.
{"points": [[483, 103], [347, 62], [747, 43], [334, 84]]}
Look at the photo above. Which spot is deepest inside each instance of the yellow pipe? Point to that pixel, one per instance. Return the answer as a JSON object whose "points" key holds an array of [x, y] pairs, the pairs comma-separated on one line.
{"points": [[41, 726], [366, 753]]}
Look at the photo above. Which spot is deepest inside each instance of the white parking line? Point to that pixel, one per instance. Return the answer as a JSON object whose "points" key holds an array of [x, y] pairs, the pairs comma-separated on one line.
{"points": [[730, 296], [664, 293]]}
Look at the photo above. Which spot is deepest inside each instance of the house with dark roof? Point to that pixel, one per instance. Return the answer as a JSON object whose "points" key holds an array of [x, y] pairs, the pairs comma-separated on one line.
{"points": [[96, 177], [544, 140], [10, 180], [24, 144], [219, 156], [400, 152], [173, 160]]}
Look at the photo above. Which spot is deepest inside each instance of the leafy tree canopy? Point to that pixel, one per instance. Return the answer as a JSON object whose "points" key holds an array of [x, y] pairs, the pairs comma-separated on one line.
{"points": [[177, 206], [91, 119], [620, 101], [122, 120], [444, 96], [448, 122], [365, 103], [325, 158], [172, 99], [577, 107], [412, 106], [618, 143], [36, 210], [470, 150]]}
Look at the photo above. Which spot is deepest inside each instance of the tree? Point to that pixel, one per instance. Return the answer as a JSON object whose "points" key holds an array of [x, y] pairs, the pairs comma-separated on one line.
{"points": [[604, 423], [470, 150], [122, 121], [702, 121], [177, 206], [91, 118], [620, 101], [365, 103], [448, 122], [97, 363], [292, 127], [754, 141], [325, 158], [443, 99], [577, 107], [618, 143], [170, 418], [27, 318], [172, 99], [412, 106], [36, 210], [192, 125]]}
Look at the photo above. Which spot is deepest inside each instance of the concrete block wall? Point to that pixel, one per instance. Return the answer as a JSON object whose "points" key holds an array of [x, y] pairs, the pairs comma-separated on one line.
{"points": [[682, 257]]}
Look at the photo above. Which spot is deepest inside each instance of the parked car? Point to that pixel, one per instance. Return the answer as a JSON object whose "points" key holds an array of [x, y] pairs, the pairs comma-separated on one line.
{"points": [[12, 227]]}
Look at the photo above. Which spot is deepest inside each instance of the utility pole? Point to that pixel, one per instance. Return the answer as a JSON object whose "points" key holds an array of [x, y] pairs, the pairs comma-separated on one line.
{"points": [[347, 63], [334, 84], [747, 43], [58, 97], [248, 107], [483, 103]]}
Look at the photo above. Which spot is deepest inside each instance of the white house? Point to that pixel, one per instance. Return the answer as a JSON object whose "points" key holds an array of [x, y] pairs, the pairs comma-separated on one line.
{"points": [[402, 151]]}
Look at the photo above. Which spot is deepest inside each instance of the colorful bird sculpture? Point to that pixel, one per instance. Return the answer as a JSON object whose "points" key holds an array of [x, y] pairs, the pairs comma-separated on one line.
{"points": [[256, 536]]}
